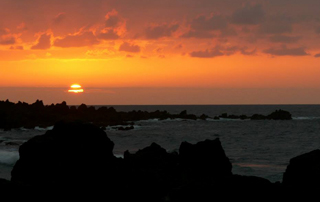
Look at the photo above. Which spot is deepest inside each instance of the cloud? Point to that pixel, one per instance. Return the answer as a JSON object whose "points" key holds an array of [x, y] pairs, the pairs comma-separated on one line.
{"points": [[127, 47], [248, 15], [178, 46], [3, 31], [44, 42], [245, 51], [284, 51], [276, 27], [317, 55], [284, 39], [228, 32], [86, 38], [16, 48], [222, 50], [198, 34], [317, 30], [22, 26], [159, 31], [216, 22], [59, 18], [207, 53], [7, 40], [108, 35], [112, 19], [203, 27]]}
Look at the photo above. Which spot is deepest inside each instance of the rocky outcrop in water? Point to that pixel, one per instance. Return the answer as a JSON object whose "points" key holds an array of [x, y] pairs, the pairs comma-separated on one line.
{"points": [[276, 115], [21, 114], [27, 115]]}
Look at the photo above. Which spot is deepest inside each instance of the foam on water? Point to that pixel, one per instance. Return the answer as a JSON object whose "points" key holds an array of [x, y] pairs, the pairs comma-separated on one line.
{"points": [[305, 118], [43, 129], [8, 157]]}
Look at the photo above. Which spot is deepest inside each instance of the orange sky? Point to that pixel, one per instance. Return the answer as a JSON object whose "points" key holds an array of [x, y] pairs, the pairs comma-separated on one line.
{"points": [[161, 52]]}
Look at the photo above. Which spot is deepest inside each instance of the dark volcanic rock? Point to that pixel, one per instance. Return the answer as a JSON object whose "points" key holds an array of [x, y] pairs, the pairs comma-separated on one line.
{"points": [[152, 171], [280, 115], [70, 153], [303, 171], [205, 159]]}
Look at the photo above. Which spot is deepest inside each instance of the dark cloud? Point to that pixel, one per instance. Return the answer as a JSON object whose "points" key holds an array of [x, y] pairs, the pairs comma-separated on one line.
{"points": [[79, 40], [3, 31], [159, 31], [10, 40], [16, 48], [109, 35], [204, 27], [159, 50], [317, 30], [202, 23], [179, 46], [248, 15], [129, 56], [228, 32], [284, 51], [245, 51], [317, 55], [284, 39], [22, 26], [113, 19], [222, 50], [276, 27], [44, 42], [59, 18], [230, 50], [207, 53], [199, 34], [127, 47]]}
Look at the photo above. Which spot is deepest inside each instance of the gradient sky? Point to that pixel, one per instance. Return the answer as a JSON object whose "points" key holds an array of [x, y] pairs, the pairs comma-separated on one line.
{"points": [[161, 52]]}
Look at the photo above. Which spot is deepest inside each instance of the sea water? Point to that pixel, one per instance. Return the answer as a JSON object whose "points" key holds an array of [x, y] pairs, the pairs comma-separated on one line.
{"points": [[260, 148]]}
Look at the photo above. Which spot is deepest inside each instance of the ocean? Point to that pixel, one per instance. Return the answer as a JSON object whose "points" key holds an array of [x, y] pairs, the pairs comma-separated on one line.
{"points": [[260, 148]]}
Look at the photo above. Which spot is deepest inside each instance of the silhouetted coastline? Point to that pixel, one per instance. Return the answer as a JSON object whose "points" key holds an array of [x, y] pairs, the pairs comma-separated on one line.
{"points": [[51, 166], [21, 114]]}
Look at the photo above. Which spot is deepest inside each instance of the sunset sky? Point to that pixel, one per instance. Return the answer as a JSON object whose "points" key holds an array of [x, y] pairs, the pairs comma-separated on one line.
{"points": [[160, 51]]}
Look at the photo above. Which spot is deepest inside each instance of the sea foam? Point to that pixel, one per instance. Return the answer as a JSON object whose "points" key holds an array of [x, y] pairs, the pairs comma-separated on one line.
{"points": [[8, 157]]}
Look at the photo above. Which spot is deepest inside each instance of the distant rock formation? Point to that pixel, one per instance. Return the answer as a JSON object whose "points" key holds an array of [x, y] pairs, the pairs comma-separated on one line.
{"points": [[37, 114], [276, 115]]}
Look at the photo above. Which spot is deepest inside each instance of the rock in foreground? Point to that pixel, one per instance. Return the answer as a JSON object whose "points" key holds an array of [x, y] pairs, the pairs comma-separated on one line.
{"points": [[70, 154], [77, 159], [303, 171]]}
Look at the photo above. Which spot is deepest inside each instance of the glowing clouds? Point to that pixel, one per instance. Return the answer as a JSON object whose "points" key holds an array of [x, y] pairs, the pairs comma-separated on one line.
{"points": [[75, 88]]}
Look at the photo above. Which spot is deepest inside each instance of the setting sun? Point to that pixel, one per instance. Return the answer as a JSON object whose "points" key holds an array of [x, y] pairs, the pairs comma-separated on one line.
{"points": [[75, 88]]}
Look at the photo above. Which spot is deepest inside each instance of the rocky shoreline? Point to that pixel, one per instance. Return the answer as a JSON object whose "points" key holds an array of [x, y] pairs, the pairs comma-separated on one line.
{"points": [[21, 114], [76, 159]]}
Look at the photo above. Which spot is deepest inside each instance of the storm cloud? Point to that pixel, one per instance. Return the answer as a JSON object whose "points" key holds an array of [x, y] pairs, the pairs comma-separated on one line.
{"points": [[284, 51]]}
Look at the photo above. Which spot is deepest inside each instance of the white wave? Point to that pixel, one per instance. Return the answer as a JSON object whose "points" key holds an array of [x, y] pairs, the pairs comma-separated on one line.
{"points": [[8, 157], [43, 129], [226, 119], [305, 118], [149, 120], [118, 155]]}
